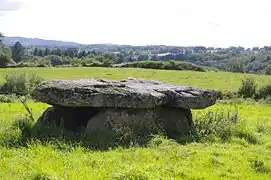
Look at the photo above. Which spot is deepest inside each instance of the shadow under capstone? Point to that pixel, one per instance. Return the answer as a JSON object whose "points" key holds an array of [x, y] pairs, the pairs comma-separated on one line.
{"points": [[70, 118], [169, 120]]}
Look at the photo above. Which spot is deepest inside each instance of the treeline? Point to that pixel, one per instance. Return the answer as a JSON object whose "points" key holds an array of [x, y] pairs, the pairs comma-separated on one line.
{"points": [[46, 57], [233, 59], [68, 52], [257, 62], [18, 56], [239, 61]]}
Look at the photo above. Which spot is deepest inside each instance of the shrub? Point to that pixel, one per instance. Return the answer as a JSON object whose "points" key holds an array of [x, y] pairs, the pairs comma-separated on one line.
{"points": [[44, 63], [227, 95], [259, 166], [20, 83], [248, 88], [267, 71], [220, 124], [8, 98], [4, 59], [264, 92], [265, 101], [54, 60], [168, 65]]}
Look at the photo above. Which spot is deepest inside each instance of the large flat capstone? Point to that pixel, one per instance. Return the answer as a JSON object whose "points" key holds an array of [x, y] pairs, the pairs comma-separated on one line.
{"points": [[127, 93]]}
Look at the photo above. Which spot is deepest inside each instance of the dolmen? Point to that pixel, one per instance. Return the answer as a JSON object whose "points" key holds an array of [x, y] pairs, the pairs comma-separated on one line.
{"points": [[100, 103]]}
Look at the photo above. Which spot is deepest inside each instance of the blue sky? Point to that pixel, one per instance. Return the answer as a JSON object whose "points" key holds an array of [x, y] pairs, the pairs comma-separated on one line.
{"points": [[216, 23]]}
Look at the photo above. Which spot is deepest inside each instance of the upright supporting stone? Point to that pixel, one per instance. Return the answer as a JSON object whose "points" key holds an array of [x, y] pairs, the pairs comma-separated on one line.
{"points": [[172, 120]]}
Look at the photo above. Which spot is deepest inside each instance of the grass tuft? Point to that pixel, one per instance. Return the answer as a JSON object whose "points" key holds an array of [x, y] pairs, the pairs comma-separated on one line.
{"points": [[259, 166], [132, 174], [44, 176]]}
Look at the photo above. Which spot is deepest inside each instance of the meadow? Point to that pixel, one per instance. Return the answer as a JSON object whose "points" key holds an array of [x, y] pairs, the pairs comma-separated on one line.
{"points": [[234, 138], [213, 80]]}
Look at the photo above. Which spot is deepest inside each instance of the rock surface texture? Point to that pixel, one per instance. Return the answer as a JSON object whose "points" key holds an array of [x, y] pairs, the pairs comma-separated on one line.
{"points": [[127, 93], [99, 103]]}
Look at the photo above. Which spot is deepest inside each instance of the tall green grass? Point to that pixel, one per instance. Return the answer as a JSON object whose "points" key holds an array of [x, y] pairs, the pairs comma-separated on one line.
{"points": [[228, 142]]}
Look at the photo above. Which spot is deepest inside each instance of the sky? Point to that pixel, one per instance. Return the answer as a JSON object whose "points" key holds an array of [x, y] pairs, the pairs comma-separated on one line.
{"points": [[217, 23]]}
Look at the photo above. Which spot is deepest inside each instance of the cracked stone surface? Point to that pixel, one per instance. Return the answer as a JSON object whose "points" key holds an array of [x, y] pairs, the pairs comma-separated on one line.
{"points": [[127, 93]]}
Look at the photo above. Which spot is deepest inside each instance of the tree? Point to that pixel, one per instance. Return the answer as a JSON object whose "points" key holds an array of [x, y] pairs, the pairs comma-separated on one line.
{"points": [[120, 58], [236, 66], [1, 39], [40, 53], [71, 52], [252, 58], [17, 52], [47, 51], [54, 59], [82, 54], [267, 71], [36, 50], [154, 58], [142, 58], [4, 59], [58, 52]]}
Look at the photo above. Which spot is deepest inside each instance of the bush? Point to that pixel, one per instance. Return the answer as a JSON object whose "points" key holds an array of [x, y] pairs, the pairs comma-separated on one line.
{"points": [[4, 60], [248, 88], [218, 124], [168, 65], [264, 92], [8, 98], [225, 95], [20, 83], [54, 60], [222, 125], [11, 98], [267, 71], [35, 62], [265, 101]]}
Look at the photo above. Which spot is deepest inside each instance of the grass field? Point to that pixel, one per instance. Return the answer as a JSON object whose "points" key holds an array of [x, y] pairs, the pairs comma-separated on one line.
{"points": [[245, 155], [237, 159], [215, 80]]}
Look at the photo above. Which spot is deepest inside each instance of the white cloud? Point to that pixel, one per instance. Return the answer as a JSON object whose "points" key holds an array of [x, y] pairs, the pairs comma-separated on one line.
{"points": [[175, 22], [8, 5]]}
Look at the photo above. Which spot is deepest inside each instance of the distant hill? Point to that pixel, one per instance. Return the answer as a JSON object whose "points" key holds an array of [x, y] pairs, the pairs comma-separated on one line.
{"points": [[39, 42], [8, 41]]}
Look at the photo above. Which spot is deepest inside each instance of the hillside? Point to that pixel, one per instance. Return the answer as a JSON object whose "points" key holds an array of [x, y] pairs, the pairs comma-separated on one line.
{"points": [[9, 41], [37, 42]]}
